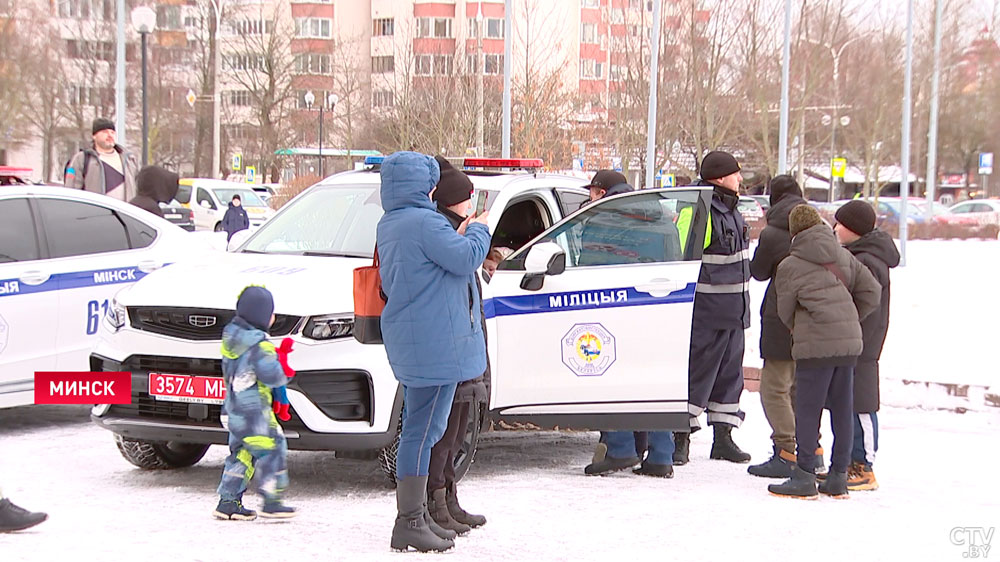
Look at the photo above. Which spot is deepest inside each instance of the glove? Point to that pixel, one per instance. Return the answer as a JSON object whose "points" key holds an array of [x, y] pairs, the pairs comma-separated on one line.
{"points": [[283, 350]]}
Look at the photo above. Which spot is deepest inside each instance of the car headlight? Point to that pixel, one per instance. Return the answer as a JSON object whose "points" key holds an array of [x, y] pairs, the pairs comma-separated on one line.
{"points": [[117, 316], [329, 327]]}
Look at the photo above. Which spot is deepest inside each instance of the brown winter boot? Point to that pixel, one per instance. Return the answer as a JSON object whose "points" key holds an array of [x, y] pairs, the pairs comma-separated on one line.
{"points": [[437, 505], [460, 514]]}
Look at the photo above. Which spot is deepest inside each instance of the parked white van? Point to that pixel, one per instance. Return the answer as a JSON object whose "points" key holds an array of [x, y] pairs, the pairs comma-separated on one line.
{"points": [[208, 200]]}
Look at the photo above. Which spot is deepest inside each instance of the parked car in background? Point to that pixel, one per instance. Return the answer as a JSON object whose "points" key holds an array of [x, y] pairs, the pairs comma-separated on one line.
{"points": [[178, 214], [208, 199], [13, 175], [750, 208], [265, 192], [984, 213], [764, 200]]}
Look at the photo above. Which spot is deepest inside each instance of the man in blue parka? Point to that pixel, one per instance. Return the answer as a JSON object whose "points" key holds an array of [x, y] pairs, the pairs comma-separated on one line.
{"points": [[431, 326]]}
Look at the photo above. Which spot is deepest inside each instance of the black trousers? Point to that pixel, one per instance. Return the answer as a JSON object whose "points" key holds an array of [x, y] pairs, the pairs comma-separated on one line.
{"points": [[442, 467], [815, 388]]}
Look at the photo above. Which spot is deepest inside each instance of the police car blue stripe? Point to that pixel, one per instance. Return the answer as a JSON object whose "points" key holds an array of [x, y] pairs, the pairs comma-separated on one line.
{"points": [[72, 280], [580, 300]]}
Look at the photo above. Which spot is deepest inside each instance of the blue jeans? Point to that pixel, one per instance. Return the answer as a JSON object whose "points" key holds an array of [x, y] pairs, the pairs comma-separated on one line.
{"points": [[621, 445], [865, 438], [425, 418]]}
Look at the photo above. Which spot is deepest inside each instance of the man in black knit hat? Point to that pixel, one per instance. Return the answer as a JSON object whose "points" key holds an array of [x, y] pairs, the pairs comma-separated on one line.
{"points": [[105, 166], [721, 314]]}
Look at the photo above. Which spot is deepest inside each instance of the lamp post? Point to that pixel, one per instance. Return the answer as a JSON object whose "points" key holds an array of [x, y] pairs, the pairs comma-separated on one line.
{"points": [[217, 65], [310, 99], [144, 21], [481, 64]]}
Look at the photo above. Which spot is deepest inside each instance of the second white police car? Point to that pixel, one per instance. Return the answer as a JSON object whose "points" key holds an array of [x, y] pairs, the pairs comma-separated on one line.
{"points": [[588, 320]]}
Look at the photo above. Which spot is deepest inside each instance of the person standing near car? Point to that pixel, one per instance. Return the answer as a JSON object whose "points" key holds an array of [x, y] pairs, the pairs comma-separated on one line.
{"points": [[777, 378], [721, 313], [452, 195], [105, 167], [431, 327], [155, 185], [236, 218]]}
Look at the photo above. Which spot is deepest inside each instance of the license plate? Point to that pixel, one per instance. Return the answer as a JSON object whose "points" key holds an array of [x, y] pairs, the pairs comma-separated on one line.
{"points": [[187, 388], [171, 216]]}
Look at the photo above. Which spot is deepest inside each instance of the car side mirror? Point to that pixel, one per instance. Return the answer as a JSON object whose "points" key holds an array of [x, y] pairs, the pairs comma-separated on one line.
{"points": [[239, 237], [547, 258], [206, 204]]}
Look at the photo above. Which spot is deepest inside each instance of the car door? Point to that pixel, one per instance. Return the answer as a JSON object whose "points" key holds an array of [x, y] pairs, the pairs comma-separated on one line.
{"points": [[94, 251], [603, 344], [28, 304], [204, 210]]}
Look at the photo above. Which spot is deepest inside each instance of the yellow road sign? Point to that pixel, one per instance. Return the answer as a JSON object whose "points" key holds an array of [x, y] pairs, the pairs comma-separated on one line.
{"points": [[837, 167]]}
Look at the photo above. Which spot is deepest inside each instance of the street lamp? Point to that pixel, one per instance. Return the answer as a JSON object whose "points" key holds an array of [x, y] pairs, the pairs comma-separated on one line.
{"points": [[217, 64], [144, 21], [332, 100]]}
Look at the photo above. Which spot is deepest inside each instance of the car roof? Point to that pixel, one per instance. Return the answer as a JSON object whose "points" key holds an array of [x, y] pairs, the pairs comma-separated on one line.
{"points": [[209, 183], [489, 181], [34, 191]]}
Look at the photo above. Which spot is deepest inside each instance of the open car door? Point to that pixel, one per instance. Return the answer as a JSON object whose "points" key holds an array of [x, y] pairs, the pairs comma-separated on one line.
{"points": [[589, 324]]}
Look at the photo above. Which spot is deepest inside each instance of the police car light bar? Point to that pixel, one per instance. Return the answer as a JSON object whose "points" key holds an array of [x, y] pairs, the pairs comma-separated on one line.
{"points": [[503, 163], [374, 160]]}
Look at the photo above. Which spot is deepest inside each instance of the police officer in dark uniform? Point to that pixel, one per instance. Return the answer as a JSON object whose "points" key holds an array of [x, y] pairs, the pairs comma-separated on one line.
{"points": [[721, 313]]}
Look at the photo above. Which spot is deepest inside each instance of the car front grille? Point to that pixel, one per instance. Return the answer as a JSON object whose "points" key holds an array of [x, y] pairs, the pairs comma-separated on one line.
{"points": [[198, 324]]}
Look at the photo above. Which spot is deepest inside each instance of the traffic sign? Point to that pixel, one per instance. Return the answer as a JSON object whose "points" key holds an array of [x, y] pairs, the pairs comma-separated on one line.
{"points": [[669, 180], [237, 162], [837, 167], [985, 163], [251, 174], [190, 97]]}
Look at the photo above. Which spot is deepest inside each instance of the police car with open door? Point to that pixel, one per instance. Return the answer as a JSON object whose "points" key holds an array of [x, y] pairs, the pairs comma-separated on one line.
{"points": [[588, 319], [64, 253]]}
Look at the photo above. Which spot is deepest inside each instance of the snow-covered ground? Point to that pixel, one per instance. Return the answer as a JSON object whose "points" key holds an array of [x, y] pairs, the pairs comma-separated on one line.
{"points": [[936, 469]]}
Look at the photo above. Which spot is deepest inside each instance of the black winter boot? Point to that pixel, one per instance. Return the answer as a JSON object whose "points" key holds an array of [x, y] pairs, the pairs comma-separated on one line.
{"points": [[14, 518], [459, 514], [437, 505], [723, 446], [835, 485], [682, 444], [652, 469], [801, 485], [411, 528], [778, 466], [601, 464]]}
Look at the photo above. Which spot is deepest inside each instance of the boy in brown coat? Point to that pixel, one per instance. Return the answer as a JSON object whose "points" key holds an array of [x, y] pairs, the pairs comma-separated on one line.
{"points": [[823, 293]]}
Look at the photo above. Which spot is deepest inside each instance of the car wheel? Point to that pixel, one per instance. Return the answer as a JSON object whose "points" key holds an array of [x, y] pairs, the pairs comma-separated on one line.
{"points": [[464, 457], [218, 227], [160, 455]]}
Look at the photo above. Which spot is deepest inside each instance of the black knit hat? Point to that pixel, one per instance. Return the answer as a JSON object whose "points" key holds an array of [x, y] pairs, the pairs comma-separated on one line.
{"points": [[256, 305], [857, 216], [606, 179], [718, 164], [801, 218], [101, 124], [453, 187], [783, 185]]}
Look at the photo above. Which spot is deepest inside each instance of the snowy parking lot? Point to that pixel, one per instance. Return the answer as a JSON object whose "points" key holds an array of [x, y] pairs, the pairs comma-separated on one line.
{"points": [[936, 469]]}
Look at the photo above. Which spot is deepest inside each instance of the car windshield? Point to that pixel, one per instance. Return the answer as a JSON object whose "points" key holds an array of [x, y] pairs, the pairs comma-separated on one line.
{"points": [[335, 221], [747, 206], [248, 197]]}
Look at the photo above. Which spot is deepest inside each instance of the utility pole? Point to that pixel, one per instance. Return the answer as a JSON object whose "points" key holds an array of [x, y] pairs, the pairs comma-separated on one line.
{"points": [[120, 86], [904, 181], [480, 102], [508, 33], [933, 122], [654, 63], [785, 63]]}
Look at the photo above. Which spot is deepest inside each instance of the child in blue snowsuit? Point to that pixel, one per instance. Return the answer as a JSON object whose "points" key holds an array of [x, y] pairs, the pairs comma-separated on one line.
{"points": [[251, 368]]}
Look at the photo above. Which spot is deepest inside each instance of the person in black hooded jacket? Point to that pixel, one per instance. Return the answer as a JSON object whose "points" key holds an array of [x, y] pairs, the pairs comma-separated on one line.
{"points": [[856, 230], [154, 185], [777, 378]]}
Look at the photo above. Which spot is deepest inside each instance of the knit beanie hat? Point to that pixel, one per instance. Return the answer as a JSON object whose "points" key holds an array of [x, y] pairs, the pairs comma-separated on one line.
{"points": [[718, 164], [801, 218], [857, 216], [453, 187], [256, 305], [783, 185], [101, 124]]}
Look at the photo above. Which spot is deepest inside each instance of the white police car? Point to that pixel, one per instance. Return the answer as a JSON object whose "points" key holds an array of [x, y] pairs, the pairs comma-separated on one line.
{"points": [[588, 320], [64, 253]]}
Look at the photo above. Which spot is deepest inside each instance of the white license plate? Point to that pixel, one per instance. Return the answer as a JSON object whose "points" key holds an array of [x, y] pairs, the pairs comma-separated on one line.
{"points": [[171, 216]]}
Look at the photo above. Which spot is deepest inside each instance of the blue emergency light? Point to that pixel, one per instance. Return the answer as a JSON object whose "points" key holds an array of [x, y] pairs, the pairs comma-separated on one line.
{"points": [[374, 160]]}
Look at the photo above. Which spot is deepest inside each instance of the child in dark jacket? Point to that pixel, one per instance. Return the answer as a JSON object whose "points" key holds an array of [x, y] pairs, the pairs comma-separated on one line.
{"points": [[823, 292], [251, 367], [235, 219], [874, 248]]}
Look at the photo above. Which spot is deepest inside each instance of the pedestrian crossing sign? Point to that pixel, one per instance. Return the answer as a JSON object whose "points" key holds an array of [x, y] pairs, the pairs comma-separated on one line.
{"points": [[251, 174], [237, 162], [837, 167]]}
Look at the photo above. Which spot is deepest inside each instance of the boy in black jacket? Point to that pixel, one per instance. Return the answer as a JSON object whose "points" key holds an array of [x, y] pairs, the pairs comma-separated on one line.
{"points": [[856, 230]]}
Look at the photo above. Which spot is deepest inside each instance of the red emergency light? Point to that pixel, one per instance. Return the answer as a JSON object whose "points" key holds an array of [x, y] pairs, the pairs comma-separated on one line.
{"points": [[503, 163]]}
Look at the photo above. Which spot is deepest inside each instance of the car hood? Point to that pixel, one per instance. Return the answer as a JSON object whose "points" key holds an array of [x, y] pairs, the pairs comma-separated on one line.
{"points": [[301, 285]]}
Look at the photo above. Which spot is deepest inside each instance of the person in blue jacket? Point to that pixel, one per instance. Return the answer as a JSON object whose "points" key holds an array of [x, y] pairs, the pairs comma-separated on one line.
{"points": [[236, 218], [431, 327]]}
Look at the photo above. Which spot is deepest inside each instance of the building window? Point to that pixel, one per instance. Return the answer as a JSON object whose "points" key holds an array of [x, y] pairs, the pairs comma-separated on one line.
{"points": [[617, 72], [81, 96], [588, 33], [300, 99], [591, 69], [382, 98], [245, 62], [238, 98], [313, 28], [444, 65], [173, 56], [439, 28], [81, 49], [251, 27], [312, 63], [422, 65], [383, 64], [87, 9], [494, 64], [494, 28], [382, 27], [590, 4], [168, 18]]}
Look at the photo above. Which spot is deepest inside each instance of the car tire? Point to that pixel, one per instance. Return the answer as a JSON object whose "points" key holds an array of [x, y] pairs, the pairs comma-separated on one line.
{"points": [[218, 227], [160, 455], [464, 458]]}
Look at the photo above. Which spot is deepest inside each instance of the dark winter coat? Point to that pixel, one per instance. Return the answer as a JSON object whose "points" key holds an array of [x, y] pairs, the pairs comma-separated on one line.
{"points": [[475, 390], [235, 220], [772, 247], [251, 369], [85, 171], [155, 185], [877, 251], [823, 312], [722, 297]]}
